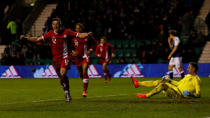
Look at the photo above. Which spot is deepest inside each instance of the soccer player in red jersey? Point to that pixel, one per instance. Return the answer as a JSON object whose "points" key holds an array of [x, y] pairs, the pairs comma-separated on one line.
{"points": [[104, 51], [83, 48], [61, 47]]}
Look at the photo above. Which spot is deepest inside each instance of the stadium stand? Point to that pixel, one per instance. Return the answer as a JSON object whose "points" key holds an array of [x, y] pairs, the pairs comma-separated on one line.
{"points": [[138, 30]]}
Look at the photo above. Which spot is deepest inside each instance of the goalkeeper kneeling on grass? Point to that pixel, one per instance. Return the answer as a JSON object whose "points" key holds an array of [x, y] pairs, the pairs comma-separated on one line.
{"points": [[188, 87]]}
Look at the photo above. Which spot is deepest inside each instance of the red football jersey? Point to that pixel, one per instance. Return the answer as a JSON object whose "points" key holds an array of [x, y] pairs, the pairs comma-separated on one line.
{"points": [[104, 50], [83, 45], [61, 43]]}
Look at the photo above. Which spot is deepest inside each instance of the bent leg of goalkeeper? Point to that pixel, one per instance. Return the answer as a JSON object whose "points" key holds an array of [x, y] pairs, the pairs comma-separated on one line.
{"points": [[169, 89], [149, 83]]}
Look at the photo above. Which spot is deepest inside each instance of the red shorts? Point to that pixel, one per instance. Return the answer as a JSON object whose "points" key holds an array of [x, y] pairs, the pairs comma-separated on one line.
{"points": [[108, 61], [79, 61], [59, 62]]}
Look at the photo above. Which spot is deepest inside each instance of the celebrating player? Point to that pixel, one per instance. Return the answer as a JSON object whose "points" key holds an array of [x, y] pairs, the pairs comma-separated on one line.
{"points": [[188, 87], [104, 51], [83, 48], [61, 47], [175, 56]]}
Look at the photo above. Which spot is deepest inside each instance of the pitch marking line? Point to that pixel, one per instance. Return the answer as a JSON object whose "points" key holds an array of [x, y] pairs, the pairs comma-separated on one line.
{"points": [[48, 100]]}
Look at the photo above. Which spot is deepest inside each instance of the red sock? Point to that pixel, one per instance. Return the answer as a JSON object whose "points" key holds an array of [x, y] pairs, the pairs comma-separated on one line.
{"points": [[85, 82]]}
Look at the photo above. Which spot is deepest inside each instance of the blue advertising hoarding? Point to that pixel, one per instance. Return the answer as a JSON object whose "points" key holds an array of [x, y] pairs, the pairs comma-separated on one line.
{"points": [[95, 71]]}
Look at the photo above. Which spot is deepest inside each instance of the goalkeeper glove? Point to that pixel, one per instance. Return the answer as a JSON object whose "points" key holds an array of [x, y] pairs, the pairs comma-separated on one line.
{"points": [[187, 94]]}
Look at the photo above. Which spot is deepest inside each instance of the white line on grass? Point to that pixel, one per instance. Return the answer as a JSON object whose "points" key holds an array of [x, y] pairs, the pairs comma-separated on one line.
{"points": [[49, 100]]}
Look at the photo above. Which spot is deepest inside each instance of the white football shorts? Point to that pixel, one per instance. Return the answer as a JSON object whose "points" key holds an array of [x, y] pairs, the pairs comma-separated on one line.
{"points": [[176, 61]]}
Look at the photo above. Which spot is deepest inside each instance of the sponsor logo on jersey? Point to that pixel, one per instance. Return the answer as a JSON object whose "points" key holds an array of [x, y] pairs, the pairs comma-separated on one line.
{"points": [[46, 72], [92, 72], [130, 70], [54, 39], [10, 73]]}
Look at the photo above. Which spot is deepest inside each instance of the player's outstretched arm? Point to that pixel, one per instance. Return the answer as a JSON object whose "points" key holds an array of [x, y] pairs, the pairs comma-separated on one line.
{"points": [[84, 35], [32, 39], [164, 78]]}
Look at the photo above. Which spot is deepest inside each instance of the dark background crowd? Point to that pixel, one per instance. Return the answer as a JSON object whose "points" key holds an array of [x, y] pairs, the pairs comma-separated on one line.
{"points": [[143, 24]]}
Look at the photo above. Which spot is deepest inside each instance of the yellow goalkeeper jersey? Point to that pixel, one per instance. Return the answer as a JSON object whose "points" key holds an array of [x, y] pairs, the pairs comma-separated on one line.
{"points": [[190, 83]]}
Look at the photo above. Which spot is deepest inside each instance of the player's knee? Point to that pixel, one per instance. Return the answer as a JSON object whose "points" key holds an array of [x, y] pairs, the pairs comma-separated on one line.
{"points": [[164, 86], [180, 68], [170, 67], [62, 73]]}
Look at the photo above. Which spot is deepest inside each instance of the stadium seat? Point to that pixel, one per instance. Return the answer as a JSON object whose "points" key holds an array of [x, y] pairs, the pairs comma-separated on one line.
{"points": [[125, 43], [94, 60], [160, 60], [112, 42], [197, 51], [92, 55], [119, 53], [127, 52], [29, 61], [134, 52], [113, 60], [118, 43], [133, 44], [138, 43]]}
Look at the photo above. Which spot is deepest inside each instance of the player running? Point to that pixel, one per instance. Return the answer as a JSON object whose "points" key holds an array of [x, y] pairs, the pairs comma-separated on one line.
{"points": [[188, 87], [104, 51], [61, 47], [83, 48], [175, 56]]}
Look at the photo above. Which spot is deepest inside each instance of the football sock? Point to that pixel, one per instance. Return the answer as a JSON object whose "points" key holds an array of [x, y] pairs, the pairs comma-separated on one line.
{"points": [[85, 82], [149, 83], [109, 75], [182, 74], [67, 92], [171, 74], [65, 83], [66, 79]]}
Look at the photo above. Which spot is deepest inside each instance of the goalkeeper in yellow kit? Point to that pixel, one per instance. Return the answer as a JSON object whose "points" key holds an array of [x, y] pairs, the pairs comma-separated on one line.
{"points": [[188, 87]]}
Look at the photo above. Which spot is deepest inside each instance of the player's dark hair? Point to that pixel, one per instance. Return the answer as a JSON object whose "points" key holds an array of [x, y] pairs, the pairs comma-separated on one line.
{"points": [[194, 65], [103, 37], [57, 19], [173, 32], [61, 26], [81, 26]]}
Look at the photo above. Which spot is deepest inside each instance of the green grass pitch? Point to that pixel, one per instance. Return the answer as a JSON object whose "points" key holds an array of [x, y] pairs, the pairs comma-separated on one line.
{"points": [[44, 98]]}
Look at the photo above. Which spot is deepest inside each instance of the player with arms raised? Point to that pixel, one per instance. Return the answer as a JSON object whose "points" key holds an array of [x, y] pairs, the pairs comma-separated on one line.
{"points": [[104, 51], [61, 47], [83, 48]]}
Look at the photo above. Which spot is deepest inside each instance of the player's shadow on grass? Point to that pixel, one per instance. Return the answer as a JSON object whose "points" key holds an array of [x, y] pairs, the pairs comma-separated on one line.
{"points": [[154, 101]]}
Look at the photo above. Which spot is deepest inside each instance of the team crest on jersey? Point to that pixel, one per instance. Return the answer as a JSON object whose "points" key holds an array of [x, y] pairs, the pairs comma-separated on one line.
{"points": [[64, 35], [54, 39], [76, 43]]}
